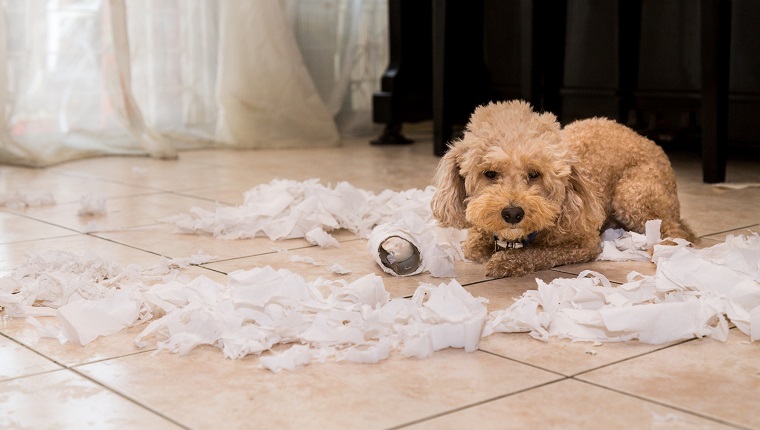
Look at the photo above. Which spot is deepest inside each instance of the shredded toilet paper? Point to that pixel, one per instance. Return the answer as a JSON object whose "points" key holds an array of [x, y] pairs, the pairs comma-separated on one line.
{"points": [[290, 322], [284, 209], [694, 293], [92, 206], [254, 312], [19, 200]]}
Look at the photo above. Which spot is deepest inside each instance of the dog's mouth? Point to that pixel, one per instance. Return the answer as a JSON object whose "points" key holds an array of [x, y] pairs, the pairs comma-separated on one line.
{"points": [[521, 242]]}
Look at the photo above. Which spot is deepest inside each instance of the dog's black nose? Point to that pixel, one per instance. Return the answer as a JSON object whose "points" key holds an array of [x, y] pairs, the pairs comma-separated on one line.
{"points": [[513, 214]]}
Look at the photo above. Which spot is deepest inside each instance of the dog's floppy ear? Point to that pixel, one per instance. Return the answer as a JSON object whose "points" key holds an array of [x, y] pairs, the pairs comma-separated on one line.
{"points": [[448, 201], [582, 207]]}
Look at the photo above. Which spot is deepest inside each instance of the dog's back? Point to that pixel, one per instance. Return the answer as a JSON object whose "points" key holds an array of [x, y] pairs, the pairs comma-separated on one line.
{"points": [[633, 174]]}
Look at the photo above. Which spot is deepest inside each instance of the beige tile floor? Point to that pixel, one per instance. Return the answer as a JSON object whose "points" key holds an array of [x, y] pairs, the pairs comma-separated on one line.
{"points": [[512, 381]]}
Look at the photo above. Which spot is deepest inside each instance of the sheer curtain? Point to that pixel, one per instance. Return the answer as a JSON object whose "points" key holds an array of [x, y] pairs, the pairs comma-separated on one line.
{"points": [[91, 77]]}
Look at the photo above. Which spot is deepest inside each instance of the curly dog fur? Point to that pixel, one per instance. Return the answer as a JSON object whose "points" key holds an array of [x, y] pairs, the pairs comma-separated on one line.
{"points": [[516, 176]]}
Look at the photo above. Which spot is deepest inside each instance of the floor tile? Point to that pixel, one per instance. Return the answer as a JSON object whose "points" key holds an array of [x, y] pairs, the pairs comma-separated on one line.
{"points": [[708, 377], [65, 400], [707, 214], [68, 354], [330, 395], [14, 254], [64, 188], [164, 175], [566, 405], [16, 360], [561, 355], [14, 228], [230, 195], [122, 212], [163, 239], [371, 168]]}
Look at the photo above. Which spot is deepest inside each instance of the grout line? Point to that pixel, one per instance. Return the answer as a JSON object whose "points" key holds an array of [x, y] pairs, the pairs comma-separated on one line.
{"points": [[524, 363], [623, 360], [73, 369], [472, 405], [128, 398], [707, 236], [657, 402]]}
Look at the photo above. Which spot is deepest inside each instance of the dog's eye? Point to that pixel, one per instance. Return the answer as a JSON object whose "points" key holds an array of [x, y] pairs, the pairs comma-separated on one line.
{"points": [[532, 174], [490, 174]]}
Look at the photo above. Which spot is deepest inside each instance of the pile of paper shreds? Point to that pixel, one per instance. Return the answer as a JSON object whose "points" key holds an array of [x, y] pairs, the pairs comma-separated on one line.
{"points": [[290, 322], [284, 209]]}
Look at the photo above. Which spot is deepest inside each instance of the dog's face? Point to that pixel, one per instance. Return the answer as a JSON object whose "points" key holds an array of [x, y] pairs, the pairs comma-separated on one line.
{"points": [[510, 174]]}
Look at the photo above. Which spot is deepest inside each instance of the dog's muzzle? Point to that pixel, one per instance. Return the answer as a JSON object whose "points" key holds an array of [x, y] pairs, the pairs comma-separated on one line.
{"points": [[501, 244]]}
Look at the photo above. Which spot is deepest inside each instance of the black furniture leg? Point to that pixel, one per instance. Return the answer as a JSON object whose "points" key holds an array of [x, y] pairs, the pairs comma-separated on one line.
{"points": [[460, 76], [391, 135], [405, 92], [629, 41], [716, 43], [441, 118]]}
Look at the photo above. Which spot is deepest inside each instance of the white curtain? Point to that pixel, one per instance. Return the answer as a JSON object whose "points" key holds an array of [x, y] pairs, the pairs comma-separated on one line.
{"points": [[81, 78]]}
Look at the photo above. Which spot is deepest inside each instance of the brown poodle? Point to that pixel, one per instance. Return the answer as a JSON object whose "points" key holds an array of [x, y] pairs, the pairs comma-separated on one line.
{"points": [[535, 196]]}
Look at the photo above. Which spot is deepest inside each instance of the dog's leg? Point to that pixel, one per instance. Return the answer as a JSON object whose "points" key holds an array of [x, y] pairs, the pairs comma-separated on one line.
{"points": [[649, 193], [479, 245], [518, 262]]}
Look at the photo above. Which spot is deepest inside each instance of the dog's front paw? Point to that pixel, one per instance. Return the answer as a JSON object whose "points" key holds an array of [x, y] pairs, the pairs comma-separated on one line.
{"points": [[477, 255], [503, 264], [479, 246]]}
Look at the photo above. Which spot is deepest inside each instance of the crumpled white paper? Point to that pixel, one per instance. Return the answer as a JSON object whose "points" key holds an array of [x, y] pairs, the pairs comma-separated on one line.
{"points": [[622, 245], [19, 200], [284, 209], [694, 293], [356, 322], [90, 296], [91, 205], [254, 312]]}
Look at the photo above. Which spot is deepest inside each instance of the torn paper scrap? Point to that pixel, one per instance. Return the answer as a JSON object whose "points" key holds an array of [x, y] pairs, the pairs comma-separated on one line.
{"points": [[622, 245], [294, 357], [339, 270], [196, 259], [20, 200], [317, 236], [695, 293], [91, 205], [83, 321], [737, 186]]}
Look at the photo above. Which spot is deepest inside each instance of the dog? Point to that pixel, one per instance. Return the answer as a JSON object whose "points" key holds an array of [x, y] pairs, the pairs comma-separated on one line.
{"points": [[535, 195]]}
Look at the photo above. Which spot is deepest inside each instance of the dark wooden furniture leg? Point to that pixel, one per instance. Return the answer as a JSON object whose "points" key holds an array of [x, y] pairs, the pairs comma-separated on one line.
{"points": [[716, 42], [405, 88], [629, 41], [460, 76], [547, 23]]}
